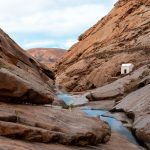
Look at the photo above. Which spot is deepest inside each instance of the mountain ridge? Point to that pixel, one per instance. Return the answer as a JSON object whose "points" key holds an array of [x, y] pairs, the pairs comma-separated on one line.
{"points": [[47, 56]]}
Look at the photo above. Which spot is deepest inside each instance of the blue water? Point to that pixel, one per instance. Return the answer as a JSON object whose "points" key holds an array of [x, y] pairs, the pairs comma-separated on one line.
{"points": [[115, 125], [65, 97]]}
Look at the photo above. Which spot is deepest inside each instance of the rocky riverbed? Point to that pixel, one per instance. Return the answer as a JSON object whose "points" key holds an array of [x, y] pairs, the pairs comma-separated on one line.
{"points": [[114, 111], [100, 113], [126, 101]]}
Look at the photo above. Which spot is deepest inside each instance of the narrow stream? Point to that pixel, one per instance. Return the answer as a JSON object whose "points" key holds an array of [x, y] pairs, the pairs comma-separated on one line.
{"points": [[115, 125]]}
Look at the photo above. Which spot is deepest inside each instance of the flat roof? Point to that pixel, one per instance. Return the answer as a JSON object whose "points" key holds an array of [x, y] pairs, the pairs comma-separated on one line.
{"points": [[127, 65]]}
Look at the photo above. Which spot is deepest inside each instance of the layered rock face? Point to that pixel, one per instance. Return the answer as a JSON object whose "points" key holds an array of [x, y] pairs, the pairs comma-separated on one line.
{"points": [[121, 87], [137, 106], [120, 37], [132, 103], [23, 79], [47, 56], [48, 125], [116, 141]]}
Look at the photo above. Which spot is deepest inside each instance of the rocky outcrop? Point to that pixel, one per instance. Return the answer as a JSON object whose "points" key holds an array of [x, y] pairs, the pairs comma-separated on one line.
{"points": [[117, 89], [49, 125], [116, 141], [120, 37], [132, 103], [137, 107], [25, 81], [47, 56], [22, 78]]}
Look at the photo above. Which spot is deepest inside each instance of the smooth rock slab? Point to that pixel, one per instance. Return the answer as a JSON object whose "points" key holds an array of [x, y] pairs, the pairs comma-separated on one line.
{"points": [[22, 78], [137, 106], [105, 104], [49, 125], [116, 142], [119, 87]]}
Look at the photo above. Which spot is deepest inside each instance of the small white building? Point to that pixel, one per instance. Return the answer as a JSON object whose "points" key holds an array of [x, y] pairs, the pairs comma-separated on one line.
{"points": [[126, 68]]}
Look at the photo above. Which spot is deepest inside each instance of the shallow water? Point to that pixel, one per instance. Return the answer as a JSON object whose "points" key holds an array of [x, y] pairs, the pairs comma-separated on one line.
{"points": [[115, 125], [75, 100], [66, 98]]}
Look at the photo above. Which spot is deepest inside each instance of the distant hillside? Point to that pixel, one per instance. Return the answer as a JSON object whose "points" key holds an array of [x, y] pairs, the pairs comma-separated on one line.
{"points": [[46, 56]]}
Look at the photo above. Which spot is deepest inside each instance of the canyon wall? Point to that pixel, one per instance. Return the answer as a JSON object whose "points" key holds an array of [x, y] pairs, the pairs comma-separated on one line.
{"points": [[120, 37]]}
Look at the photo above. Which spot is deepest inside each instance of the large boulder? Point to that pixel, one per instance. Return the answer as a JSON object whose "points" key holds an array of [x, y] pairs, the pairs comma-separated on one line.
{"points": [[49, 125], [116, 142], [120, 37], [23, 79], [137, 107]]}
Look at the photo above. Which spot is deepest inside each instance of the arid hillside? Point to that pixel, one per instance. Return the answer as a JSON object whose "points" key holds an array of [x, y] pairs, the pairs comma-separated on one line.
{"points": [[120, 37], [47, 56]]}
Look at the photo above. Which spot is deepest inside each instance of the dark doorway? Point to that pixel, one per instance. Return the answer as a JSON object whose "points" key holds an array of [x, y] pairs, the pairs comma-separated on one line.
{"points": [[125, 71]]}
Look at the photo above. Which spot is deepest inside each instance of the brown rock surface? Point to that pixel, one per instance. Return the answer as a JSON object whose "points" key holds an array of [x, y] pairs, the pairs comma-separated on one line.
{"points": [[115, 142], [132, 92], [137, 107], [22, 79], [120, 37], [48, 125], [122, 86], [47, 56], [105, 104]]}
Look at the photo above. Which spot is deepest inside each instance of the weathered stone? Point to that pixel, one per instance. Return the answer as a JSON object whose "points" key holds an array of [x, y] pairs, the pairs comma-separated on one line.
{"points": [[105, 104], [58, 102], [138, 103], [116, 142], [23, 79], [49, 125], [120, 37], [121, 86]]}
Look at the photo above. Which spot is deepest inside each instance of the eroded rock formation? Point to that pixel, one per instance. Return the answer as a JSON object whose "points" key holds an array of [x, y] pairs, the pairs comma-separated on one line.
{"points": [[117, 89], [48, 125], [116, 141], [120, 37], [132, 103], [137, 107], [25, 81], [22, 78]]}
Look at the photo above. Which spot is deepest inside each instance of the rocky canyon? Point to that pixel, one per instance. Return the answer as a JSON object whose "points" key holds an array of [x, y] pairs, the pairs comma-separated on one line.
{"points": [[120, 37], [52, 99]]}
